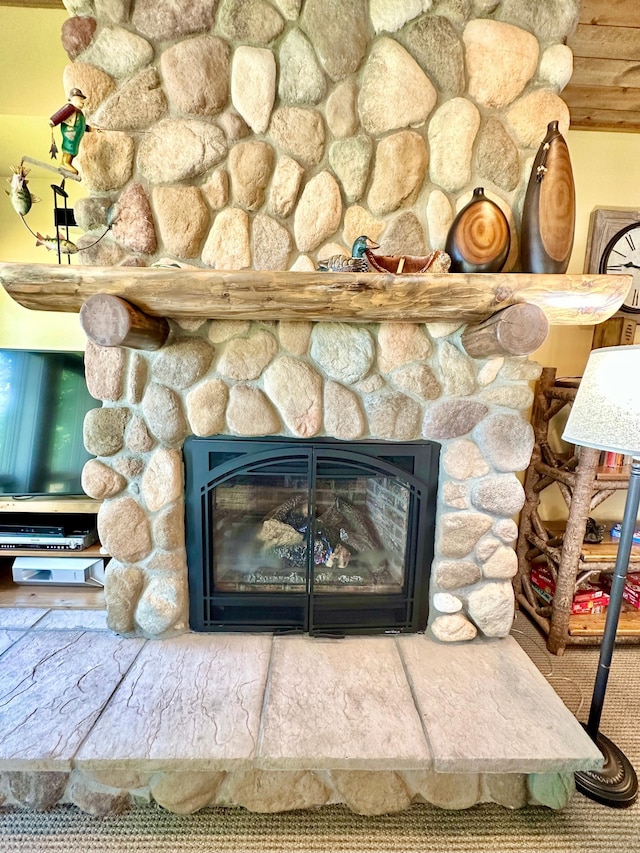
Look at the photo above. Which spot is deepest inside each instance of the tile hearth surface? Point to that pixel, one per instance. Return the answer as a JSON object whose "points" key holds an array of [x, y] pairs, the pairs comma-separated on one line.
{"points": [[76, 695]]}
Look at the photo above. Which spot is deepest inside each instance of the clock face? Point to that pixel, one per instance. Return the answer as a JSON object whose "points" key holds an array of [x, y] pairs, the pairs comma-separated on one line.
{"points": [[622, 255]]}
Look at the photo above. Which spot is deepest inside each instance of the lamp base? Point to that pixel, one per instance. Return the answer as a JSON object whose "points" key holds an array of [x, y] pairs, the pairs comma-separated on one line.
{"points": [[616, 785]]}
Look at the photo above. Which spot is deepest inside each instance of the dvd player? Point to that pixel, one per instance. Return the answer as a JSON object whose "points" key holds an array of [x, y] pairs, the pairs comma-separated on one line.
{"points": [[73, 541], [37, 529], [47, 523]]}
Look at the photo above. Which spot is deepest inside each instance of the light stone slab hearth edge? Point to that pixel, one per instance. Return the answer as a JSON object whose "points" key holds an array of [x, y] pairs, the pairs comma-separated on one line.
{"points": [[274, 723]]}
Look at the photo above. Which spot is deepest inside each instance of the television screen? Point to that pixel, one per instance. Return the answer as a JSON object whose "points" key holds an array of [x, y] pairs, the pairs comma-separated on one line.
{"points": [[43, 401]]}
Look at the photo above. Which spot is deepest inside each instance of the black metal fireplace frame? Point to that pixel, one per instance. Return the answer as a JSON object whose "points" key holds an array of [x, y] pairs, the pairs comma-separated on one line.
{"points": [[211, 461]]}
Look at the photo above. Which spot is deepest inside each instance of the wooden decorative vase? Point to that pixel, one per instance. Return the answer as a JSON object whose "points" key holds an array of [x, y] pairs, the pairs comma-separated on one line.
{"points": [[479, 238], [549, 211]]}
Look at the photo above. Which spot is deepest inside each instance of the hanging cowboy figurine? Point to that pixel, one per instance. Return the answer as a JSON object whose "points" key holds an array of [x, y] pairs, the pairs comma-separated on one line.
{"points": [[72, 126]]}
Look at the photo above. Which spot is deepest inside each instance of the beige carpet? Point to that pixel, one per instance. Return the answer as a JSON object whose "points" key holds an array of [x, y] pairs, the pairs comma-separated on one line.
{"points": [[582, 826]]}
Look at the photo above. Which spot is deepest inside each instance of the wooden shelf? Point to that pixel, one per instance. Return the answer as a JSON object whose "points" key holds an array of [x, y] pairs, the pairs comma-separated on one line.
{"points": [[67, 597], [606, 551], [592, 625], [50, 505], [560, 546], [604, 473], [49, 596], [597, 552], [317, 296], [91, 551]]}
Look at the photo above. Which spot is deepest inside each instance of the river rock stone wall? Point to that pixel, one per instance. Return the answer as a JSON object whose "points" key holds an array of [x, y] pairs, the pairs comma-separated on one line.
{"points": [[271, 133], [391, 381]]}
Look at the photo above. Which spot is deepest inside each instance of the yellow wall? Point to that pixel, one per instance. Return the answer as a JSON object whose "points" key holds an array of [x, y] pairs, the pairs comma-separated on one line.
{"points": [[31, 64]]}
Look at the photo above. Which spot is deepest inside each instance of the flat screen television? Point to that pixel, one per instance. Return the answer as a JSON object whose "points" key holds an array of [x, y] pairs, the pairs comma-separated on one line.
{"points": [[43, 401]]}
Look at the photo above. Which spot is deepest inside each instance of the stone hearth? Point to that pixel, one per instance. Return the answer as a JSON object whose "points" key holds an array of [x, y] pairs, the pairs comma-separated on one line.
{"points": [[273, 724]]}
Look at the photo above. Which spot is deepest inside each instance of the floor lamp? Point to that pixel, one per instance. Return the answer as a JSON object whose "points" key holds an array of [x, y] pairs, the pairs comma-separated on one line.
{"points": [[606, 415]]}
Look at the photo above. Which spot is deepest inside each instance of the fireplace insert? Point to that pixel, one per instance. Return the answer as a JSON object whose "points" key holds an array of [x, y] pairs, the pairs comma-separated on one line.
{"points": [[322, 536]]}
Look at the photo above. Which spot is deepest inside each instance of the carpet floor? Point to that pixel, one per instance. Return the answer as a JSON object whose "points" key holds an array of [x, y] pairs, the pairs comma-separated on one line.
{"points": [[582, 827]]}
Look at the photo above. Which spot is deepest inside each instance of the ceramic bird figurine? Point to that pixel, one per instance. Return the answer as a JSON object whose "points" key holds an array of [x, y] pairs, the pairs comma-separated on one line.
{"points": [[356, 263]]}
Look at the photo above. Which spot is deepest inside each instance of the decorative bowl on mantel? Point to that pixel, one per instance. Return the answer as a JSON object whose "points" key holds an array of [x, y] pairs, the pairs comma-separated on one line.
{"points": [[435, 262]]}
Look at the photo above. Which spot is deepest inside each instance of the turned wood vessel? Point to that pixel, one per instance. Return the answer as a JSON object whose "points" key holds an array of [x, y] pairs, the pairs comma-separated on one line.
{"points": [[549, 211], [479, 238]]}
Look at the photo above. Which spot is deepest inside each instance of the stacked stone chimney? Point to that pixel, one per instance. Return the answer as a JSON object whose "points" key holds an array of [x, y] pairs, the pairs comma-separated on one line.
{"points": [[250, 133]]}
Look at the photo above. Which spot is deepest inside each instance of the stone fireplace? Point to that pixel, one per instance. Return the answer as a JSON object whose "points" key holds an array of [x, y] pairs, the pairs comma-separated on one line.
{"points": [[243, 141], [251, 134], [248, 135], [390, 382]]}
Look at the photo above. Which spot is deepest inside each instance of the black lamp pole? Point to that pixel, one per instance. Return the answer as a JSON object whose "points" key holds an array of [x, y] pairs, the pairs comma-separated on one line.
{"points": [[616, 784]]}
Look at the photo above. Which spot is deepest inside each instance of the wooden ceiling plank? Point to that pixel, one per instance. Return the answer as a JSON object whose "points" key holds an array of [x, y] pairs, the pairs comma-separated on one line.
{"points": [[605, 72], [604, 90], [613, 13], [605, 42], [623, 121], [602, 97]]}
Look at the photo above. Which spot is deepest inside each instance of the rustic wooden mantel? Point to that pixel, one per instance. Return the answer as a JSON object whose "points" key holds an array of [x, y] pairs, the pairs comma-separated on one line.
{"points": [[316, 296]]}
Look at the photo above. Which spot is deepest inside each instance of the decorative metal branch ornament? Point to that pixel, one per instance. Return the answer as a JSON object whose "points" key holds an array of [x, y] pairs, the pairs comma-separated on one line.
{"points": [[73, 126], [22, 200], [60, 243]]}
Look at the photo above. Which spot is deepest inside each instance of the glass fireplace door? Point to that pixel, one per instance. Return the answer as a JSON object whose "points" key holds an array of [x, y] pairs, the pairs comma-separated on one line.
{"points": [[254, 541], [366, 524], [260, 524], [324, 536]]}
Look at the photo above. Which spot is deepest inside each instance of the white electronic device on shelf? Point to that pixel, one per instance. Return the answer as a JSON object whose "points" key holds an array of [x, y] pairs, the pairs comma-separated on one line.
{"points": [[63, 571]]}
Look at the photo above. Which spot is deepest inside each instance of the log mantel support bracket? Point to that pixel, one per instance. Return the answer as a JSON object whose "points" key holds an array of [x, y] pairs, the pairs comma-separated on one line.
{"points": [[110, 321], [517, 330], [505, 313]]}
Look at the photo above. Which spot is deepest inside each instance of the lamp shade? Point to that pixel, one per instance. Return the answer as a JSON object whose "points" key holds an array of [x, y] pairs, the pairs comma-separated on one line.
{"points": [[606, 410]]}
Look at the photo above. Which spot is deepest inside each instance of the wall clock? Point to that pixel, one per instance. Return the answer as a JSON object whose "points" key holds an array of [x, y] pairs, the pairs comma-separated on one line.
{"points": [[613, 246]]}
